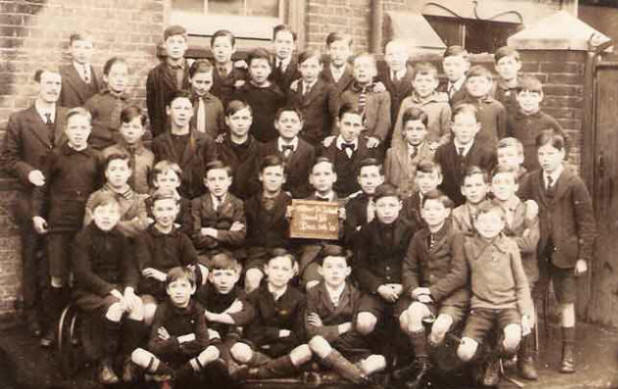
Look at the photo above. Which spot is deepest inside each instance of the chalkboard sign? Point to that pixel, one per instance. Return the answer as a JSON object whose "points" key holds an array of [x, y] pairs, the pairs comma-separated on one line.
{"points": [[314, 220]]}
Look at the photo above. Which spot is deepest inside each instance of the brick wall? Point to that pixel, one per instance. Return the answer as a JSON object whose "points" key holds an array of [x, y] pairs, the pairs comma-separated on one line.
{"points": [[34, 34]]}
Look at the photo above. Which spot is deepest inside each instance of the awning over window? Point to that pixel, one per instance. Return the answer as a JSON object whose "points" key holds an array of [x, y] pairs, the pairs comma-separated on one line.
{"points": [[414, 30]]}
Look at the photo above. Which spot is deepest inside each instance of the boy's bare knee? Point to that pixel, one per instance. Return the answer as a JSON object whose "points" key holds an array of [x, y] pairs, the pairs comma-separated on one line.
{"points": [[512, 337], [149, 313], [416, 313], [301, 355], [210, 354], [372, 364], [57, 282], [467, 349], [141, 357], [241, 352], [320, 346], [114, 312], [366, 323], [440, 327]]}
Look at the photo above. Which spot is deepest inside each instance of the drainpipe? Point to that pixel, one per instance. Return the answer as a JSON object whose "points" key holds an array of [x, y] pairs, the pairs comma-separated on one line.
{"points": [[377, 19]]}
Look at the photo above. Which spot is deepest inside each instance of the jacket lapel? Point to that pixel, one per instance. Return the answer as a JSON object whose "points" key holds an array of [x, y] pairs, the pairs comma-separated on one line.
{"points": [[190, 149], [37, 127], [313, 93], [562, 184]]}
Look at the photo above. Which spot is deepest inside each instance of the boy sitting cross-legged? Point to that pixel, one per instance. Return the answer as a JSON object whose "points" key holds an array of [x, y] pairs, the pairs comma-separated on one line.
{"points": [[179, 348], [272, 343], [161, 247], [430, 257], [105, 282], [329, 319]]}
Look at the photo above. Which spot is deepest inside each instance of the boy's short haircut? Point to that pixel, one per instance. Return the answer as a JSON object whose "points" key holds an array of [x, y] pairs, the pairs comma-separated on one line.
{"points": [[218, 164], [502, 169], [414, 113], [429, 166], [281, 252], [365, 54], [349, 108], [333, 250], [455, 51], [308, 54], [319, 160], [79, 36], [165, 166], [272, 160], [180, 273], [283, 28], [436, 194], [289, 108], [223, 33], [529, 84], [163, 194], [425, 68], [386, 190], [120, 156], [506, 51], [473, 171], [79, 111], [39, 73], [488, 206], [237, 105], [510, 141], [465, 108], [479, 71], [174, 30], [259, 54], [131, 112], [553, 138], [224, 261], [370, 162], [179, 94], [200, 66], [337, 36], [102, 198], [111, 62]]}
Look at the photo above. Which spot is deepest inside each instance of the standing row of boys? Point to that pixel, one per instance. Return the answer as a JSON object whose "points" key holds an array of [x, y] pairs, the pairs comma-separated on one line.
{"points": [[428, 181]]}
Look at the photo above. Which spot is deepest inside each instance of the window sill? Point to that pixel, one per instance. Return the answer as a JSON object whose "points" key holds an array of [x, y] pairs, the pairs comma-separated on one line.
{"points": [[253, 27]]}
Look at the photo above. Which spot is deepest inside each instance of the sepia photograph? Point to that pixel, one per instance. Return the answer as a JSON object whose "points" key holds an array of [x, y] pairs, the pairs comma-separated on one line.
{"points": [[308, 194]]}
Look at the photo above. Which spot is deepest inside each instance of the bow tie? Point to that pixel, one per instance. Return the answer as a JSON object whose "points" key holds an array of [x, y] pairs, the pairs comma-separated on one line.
{"points": [[347, 146], [285, 148], [320, 198]]}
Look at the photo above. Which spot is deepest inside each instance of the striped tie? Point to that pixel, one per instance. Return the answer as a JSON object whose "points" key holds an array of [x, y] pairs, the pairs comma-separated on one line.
{"points": [[362, 99]]}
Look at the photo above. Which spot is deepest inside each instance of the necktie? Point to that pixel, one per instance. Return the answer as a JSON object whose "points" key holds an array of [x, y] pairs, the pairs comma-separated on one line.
{"points": [[217, 203], [550, 186], [413, 152], [306, 89], [460, 152], [451, 90], [201, 115], [132, 150], [179, 74], [287, 150], [50, 128], [348, 148], [432, 241], [86, 74], [362, 99]]}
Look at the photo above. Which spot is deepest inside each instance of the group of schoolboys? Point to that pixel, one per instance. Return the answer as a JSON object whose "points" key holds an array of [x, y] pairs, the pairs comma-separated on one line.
{"points": [[440, 223]]}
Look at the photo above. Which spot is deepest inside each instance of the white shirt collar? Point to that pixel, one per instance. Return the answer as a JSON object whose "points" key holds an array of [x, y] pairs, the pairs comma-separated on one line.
{"points": [[335, 294], [412, 149], [400, 74], [277, 294], [337, 72], [42, 111], [215, 200], [308, 86], [341, 141], [81, 69], [281, 142], [555, 175], [466, 147], [330, 196], [457, 85], [285, 62]]}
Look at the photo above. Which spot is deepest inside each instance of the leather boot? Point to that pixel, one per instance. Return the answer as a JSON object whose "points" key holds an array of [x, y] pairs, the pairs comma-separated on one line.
{"points": [[419, 345], [567, 365], [421, 375], [133, 332], [345, 368], [525, 359], [275, 368], [106, 374], [491, 377]]}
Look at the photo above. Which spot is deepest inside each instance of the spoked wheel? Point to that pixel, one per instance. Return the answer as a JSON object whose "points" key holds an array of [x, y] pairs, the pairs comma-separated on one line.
{"points": [[69, 346]]}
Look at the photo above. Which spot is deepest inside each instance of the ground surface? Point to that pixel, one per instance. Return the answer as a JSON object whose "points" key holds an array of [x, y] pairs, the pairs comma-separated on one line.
{"points": [[24, 365]]}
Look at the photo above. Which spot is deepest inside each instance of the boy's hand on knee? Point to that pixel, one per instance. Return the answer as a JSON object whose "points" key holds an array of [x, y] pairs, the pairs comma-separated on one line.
{"points": [[387, 293], [314, 320], [416, 292], [581, 267]]}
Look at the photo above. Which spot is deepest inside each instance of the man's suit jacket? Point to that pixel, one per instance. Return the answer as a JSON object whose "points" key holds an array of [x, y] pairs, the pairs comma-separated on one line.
{"points": [[298, 167], [75, 92], [27, 144], [319, 109], [285, 78], [200, 150], [344, 82], [566, 217], [160, 86], [454, 167]]}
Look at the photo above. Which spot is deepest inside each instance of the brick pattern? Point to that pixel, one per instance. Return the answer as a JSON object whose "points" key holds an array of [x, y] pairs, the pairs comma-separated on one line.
{"points": [[34, 34]]}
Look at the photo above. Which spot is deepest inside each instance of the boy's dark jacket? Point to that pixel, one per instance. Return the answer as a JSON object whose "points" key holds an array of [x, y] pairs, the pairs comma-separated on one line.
{"points": [[267, 228], [566, 218], [265, 102], [216, 302], [200, 150], [319, 302], [377, 259], [160, 86], [204, 214], [102, 261], [245, 182], [75, 92], [298, 166], [178, 322], [429, 267]]}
